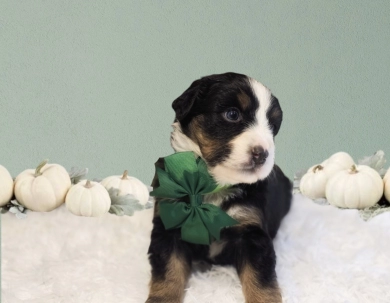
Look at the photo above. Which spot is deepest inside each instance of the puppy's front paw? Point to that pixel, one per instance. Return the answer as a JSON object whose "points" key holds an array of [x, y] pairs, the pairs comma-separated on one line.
{"points": [[255, 291], [264, 295]]}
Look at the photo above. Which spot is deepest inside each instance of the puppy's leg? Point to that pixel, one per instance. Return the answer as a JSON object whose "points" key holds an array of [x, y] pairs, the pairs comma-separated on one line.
{"points": [[170, 263], [254, 290], [251, 250], [256, 267]]}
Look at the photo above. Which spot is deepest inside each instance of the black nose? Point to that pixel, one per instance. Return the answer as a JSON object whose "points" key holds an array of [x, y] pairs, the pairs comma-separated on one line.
{"points": [[259, 155]]}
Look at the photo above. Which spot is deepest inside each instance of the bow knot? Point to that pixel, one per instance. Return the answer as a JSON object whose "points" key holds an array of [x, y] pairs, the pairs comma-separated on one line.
{"points": [[195, 200]]}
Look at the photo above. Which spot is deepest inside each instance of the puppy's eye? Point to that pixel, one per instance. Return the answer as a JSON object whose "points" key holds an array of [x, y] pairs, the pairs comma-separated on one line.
{"points": [[232, 115]]}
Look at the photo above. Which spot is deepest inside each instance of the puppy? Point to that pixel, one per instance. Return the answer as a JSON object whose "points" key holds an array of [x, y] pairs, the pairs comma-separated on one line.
{"points": [[230, 120]]}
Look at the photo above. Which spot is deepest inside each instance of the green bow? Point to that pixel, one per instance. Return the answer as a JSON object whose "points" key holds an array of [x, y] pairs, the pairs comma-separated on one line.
{"points": [[180, 175]]}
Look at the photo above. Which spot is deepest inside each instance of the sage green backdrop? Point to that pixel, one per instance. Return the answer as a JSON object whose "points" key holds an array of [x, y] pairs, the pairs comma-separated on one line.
{"points": [[90, 83]]}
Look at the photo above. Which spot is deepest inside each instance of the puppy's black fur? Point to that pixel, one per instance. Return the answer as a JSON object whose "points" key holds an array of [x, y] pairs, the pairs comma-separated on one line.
{"points": [[248, 246]]}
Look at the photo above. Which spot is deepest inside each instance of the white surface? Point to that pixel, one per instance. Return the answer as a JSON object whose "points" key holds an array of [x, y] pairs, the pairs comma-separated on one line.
{"points": [[324, 255]]}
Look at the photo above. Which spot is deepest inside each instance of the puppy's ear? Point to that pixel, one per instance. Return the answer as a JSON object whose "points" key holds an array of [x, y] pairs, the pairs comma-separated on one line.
{"points": [[183, 104], [197, 91], [275, 115]]}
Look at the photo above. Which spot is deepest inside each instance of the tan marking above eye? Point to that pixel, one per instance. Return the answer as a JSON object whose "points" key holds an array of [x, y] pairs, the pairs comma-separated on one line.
{"points": [[244, 100]]}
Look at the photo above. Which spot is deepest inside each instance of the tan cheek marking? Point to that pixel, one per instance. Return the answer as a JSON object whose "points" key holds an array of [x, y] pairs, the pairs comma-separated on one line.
{"points": [[207, 145], [244, 100], [253, 292], [171, 289]]}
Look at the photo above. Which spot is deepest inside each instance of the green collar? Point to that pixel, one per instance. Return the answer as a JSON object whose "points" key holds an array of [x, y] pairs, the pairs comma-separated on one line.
{"points": [[185, 175]]}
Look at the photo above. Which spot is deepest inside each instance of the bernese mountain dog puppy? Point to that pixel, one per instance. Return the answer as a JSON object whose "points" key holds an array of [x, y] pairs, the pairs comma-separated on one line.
{"points": [[230, 120]]}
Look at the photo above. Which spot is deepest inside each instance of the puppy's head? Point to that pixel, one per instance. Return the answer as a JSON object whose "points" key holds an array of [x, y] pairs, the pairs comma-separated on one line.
{"points": [[230, 120]]}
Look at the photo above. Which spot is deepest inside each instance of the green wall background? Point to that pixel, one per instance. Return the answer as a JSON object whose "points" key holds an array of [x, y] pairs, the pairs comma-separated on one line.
{"points": [[90, 83]]}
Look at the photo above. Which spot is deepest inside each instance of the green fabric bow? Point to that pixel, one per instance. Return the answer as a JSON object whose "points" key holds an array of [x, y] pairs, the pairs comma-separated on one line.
{"points": [[180, 175]]}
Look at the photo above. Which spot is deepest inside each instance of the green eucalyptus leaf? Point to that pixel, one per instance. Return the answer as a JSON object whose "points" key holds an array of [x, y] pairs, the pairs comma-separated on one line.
{"points": [[370, 212], [77, 174], [127, 210], [14, 210], [114, 209], [149, 204], [321, 201], [15, 202], [123, 204], [119, 199], [376, 161], [21, 215]]}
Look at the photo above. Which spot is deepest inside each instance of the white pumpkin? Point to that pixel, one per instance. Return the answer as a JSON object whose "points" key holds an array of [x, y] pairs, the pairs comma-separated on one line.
{"points": [[341, 159], [127, 185], [6, 186], [358, 187], [386, 181], [88, 198], [43, 188], [313, 183]]}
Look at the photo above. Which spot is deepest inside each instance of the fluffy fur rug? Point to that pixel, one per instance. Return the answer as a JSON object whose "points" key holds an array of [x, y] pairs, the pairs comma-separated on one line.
{"points": [[324, 255]]}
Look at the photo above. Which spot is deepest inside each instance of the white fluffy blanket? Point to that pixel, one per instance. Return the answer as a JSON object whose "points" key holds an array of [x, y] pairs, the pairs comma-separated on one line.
{"points": [[324, 255]]}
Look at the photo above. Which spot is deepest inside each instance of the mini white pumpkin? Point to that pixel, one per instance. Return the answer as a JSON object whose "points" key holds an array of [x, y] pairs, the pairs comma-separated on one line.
{"points": [[43, 188], [88, 198], [6, 186], [127, 185], [358, 187], [340, 159], [313, 183], [386, 181]]}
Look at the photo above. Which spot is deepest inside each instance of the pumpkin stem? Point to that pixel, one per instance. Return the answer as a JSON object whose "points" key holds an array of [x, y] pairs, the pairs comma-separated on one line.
{"points": [[317, 168], [39, 167], [353, 169], [88, 184], [124, 176]]}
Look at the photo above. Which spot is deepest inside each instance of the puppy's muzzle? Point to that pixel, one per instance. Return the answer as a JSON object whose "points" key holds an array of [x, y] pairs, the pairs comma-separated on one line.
{"points": [[259, 155]]}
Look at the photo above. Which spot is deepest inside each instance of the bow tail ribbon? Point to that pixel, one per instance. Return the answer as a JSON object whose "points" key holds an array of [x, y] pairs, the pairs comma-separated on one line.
{"points": [[215, 219], [199, 224], [194, 230]]}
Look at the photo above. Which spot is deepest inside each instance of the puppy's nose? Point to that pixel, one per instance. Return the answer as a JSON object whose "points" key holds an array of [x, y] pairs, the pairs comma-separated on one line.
{"points": [[259, 155]]}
